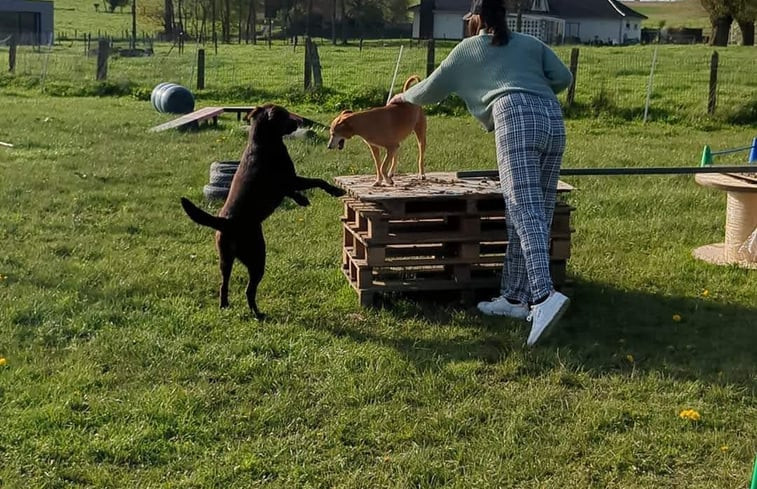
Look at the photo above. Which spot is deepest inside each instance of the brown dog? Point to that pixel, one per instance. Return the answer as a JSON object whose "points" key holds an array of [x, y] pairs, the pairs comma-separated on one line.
{"points": [[265, 176], [383, 127]]}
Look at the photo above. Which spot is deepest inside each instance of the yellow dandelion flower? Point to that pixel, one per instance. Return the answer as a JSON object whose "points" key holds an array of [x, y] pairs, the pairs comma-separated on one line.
{"points": [[677, 318], [705, 293], [629, 357], [690, 414], [3, 361], [724, 448]]}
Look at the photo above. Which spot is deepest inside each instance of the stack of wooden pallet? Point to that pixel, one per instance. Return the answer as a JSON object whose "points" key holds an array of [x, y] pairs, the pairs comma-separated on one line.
{"points": [[432, 235]]}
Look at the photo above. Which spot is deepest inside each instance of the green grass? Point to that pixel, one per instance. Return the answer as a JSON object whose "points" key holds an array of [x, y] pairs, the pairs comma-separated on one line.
{"points": [[80, 15], [122, 372], [77, 17], [610, 80], [680, 13]]}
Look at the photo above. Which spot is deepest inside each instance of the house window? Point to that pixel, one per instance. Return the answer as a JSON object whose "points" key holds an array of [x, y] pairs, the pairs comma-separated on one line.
{"points": [[628, 25], [540, 6]]}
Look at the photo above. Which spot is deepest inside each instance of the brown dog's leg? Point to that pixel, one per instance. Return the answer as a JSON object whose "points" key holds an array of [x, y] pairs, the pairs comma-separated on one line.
{"points": [[420, 134], [376, 153], [395, 160], [390, 154]]}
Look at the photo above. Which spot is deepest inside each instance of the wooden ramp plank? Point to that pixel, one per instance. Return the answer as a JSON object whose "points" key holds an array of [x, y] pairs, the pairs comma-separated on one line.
{"points": [[196, 116]]}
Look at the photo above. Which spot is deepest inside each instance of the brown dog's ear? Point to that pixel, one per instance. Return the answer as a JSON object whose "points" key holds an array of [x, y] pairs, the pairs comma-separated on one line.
{"points": [[345, 112]]}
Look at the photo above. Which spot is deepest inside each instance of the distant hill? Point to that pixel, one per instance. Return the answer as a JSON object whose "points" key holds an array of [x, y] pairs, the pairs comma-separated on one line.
{"points": [[679, 13], [80, 16]]}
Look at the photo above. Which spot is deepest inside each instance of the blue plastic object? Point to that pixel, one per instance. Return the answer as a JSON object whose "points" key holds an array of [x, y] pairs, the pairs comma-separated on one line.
{"points": [[172, 98]]}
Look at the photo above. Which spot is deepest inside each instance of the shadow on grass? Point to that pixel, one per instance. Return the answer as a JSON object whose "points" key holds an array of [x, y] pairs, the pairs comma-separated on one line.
{"points": [[606, 330]]}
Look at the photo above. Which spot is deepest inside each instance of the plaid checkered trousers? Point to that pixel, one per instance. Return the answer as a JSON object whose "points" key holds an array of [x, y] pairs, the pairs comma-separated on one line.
{"points": [[530, 139]]}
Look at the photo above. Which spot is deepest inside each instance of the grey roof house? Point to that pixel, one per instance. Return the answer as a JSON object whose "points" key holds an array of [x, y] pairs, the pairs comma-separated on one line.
{"points": [[552, 21]]}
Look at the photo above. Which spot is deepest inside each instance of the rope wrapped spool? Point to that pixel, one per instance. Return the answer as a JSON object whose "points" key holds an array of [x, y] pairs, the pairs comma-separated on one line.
{"points": [[740, 223], [740, 220]]}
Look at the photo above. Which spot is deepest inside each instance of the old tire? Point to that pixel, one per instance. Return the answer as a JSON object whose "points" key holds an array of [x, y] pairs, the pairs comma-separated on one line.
{"points": [[212, 192]]}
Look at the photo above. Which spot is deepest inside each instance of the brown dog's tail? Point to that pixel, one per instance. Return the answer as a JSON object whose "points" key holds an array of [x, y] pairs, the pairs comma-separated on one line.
{"points": [[410, 81], [203, 218]]}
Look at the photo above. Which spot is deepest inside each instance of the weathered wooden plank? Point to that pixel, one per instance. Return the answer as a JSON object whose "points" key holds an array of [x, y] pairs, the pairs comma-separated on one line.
{"points": [[195, 117]]}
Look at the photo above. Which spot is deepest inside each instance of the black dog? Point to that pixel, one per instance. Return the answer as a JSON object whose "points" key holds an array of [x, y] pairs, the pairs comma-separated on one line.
{"points": [[265, 176]]}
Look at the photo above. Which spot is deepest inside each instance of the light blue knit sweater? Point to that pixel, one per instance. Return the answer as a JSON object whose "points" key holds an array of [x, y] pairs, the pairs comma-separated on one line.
{"points": [[480, 73]]}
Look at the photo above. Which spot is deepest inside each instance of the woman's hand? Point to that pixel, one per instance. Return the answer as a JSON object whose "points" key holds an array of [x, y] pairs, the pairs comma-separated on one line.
{"points": [[397, 99]]}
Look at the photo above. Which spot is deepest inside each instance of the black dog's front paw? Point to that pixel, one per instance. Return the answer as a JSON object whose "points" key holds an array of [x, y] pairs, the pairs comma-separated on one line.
{"points": [[336, 191]]}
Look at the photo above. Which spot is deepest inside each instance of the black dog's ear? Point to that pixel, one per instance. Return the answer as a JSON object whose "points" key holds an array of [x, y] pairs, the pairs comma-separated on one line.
{"points": [[251, 115]]}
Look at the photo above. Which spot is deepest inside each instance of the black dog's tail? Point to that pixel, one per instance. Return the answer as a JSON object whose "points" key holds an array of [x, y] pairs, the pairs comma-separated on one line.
{"points": [[203, 218]]}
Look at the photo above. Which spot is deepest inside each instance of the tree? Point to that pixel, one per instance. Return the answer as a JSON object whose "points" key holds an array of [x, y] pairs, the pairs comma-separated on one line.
{"points": [[720, 20], [745, 13], [168, 19]]}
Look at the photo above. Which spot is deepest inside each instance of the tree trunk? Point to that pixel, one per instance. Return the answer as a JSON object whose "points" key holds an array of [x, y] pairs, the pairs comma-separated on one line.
{"points": [[168, 19], [333, 22], [226, 22], [213, 21], [239, 24], [721, 29], [747, 33], [133, 24], [252, 23], [202, 24], [309, 18], [342, 21]]}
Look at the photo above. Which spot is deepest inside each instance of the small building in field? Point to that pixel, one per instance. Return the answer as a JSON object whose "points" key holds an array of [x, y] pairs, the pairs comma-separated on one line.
{"points": [[552, 21], [28, 21]]}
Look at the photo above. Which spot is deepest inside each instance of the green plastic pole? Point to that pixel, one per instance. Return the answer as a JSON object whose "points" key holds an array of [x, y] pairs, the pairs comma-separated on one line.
{"points": [[706, 156], [754, 475]]}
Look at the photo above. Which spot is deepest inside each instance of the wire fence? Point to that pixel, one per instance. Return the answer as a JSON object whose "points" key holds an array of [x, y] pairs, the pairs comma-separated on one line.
{"points": [[608, 79]]}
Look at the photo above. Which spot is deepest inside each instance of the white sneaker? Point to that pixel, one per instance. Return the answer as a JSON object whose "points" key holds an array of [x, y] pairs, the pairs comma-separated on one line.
{"points": [[499, 306], [545, 315]]}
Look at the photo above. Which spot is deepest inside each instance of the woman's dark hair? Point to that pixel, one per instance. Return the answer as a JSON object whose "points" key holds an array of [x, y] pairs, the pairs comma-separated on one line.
{"points": [[493, 18]]}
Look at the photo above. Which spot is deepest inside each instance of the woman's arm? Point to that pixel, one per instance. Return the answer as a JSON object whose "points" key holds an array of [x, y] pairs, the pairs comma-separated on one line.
{"points": [[557, 73], [435, 88]]}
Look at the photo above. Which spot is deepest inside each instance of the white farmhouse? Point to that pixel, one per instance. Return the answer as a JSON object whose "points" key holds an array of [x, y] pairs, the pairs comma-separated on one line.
{"points": [[552, 21]]}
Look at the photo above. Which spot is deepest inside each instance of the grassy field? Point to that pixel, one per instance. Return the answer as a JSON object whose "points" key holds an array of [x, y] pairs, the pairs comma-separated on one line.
{"points": [[120, 371], [79, 16], [680, 13], [611, 80]]}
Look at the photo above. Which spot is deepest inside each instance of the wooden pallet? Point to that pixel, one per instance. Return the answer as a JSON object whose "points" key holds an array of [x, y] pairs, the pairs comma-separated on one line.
{"points": [[434, 235]]}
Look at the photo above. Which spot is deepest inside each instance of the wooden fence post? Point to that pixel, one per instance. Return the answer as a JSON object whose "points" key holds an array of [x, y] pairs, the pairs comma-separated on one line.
{"points": [[574, 72], [315, 64], [12, 55], [307, 63], [430, 57], [712, 100], [200, 69], [102, 59]]}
